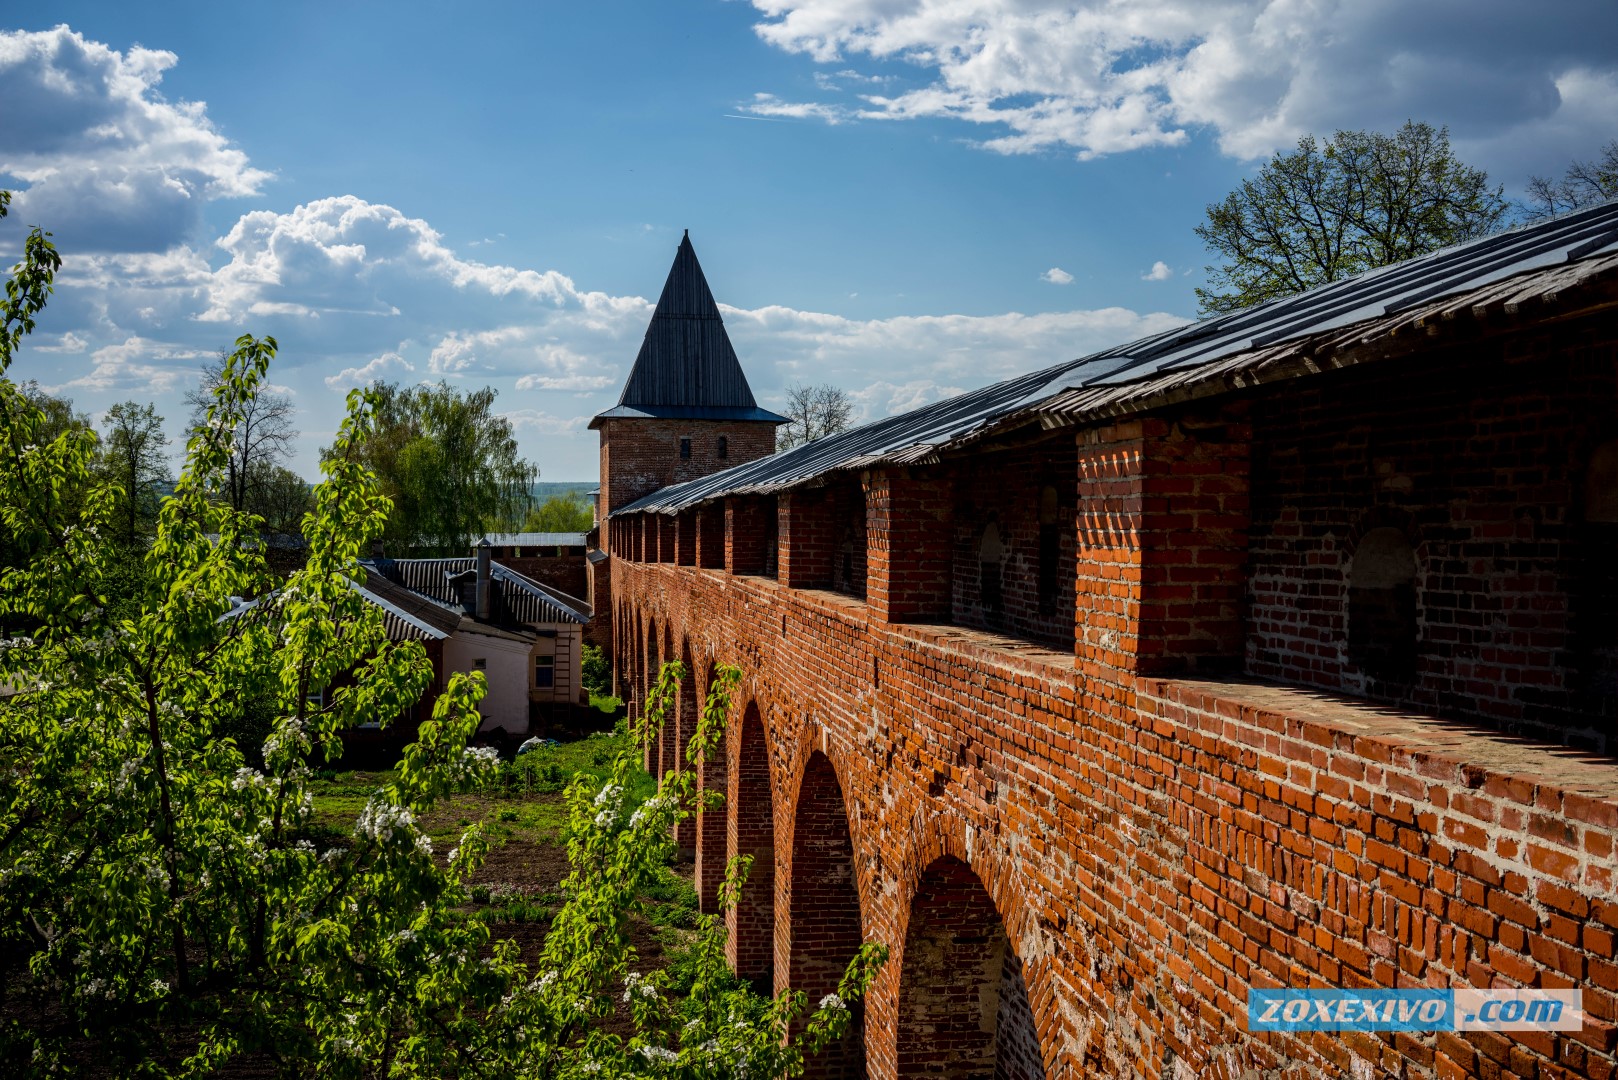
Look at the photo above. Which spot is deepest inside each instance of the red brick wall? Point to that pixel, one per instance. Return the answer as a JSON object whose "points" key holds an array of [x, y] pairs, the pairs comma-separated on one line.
{"points": [[1006, 489], [640, 456], [750, 830], [1153, 841], [1480, 460], [1151, 847], [565, 573]]}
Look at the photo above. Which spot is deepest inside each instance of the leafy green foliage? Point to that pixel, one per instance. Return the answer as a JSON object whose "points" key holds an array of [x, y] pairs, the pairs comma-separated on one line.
{"points": [[596, 671], [569, 512], [1329, 211], [132, 458], [260, 443], [449, 465], [177, 906]]}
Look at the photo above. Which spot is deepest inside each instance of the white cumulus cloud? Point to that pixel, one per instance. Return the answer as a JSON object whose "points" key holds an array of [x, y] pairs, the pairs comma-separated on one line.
{"points": [[389, 365], [1057, 276], [107, 159], [1101, 77], [1159, 272]]}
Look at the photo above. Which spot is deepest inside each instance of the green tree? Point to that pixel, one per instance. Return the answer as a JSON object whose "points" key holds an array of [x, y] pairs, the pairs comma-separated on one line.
{"points": [[164, 905], [1329, 211], [57, 418], [133, 459], [278, 495], [259, 444], [449, 465], [1585, 183], [566, 513]]}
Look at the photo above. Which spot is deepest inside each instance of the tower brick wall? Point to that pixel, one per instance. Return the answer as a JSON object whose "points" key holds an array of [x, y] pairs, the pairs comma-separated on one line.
{"points": [[638, 455]]}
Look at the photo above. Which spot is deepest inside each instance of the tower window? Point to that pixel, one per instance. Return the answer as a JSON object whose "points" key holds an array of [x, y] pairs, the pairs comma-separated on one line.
{"points": [[685, 449], [724, 446]]}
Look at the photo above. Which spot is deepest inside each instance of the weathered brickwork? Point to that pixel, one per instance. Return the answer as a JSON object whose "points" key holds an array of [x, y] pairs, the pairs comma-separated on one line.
{"points": [[1083, 844], [1485, 476], [1013, 554], [1152, 847], [640, 456], [564, 573]]}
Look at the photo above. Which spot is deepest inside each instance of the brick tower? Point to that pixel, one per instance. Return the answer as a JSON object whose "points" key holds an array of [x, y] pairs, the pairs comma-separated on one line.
{"points": [[686, 410]]}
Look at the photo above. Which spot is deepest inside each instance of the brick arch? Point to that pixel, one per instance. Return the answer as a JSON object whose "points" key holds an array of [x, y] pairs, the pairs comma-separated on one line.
{"points": [[963, 1009], [750, 821], [824, 924], [1028, 1002]]}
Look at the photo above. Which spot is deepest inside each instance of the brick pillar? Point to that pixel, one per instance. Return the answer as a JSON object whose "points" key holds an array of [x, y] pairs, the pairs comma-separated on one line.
{"points": [[805, 537], [685, 538], [639, 542], [745, 529], [713, 833], [666, 533], [711, 536], [908, 555], [1162, 542]]}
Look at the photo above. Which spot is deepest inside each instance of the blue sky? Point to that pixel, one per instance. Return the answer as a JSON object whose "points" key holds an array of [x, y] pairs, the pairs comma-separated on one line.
{"points": [[904, 197]]}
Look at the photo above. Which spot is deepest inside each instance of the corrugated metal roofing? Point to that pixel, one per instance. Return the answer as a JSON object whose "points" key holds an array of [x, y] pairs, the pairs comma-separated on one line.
{"points": [[1227, 350], [408, 615], [516, 599], [536, 539], [686, 361]]}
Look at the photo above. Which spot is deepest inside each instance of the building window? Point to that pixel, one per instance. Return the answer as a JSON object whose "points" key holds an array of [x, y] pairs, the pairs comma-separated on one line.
{"points": [[1382, 622], [724, 446], [544, 672], [685, 449], [480, 664]]}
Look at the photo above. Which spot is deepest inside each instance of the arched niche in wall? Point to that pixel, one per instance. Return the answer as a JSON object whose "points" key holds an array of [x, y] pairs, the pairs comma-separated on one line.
{"points": [[991, 562], [1383, 629]]}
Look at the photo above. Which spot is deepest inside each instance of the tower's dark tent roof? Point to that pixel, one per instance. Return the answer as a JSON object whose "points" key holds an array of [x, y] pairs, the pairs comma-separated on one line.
{"points": [[687, 368]]}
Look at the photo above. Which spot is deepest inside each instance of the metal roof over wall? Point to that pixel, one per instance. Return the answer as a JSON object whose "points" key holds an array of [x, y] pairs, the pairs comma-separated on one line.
{"points": [[1281, 339], [687, 368]]}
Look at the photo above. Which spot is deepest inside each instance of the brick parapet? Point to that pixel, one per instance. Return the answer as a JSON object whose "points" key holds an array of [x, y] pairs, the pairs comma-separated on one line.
{"points": [[910, 556], [805, 535], [1154, 847]]}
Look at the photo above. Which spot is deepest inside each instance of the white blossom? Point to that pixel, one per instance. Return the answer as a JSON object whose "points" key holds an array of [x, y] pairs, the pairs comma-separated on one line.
{"points": [[380, 820], [635, 985], [832, 1001], [657, 1053]]}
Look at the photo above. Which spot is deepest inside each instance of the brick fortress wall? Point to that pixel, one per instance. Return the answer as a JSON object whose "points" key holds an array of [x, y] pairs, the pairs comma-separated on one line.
{"points": [[1082, 858]]}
